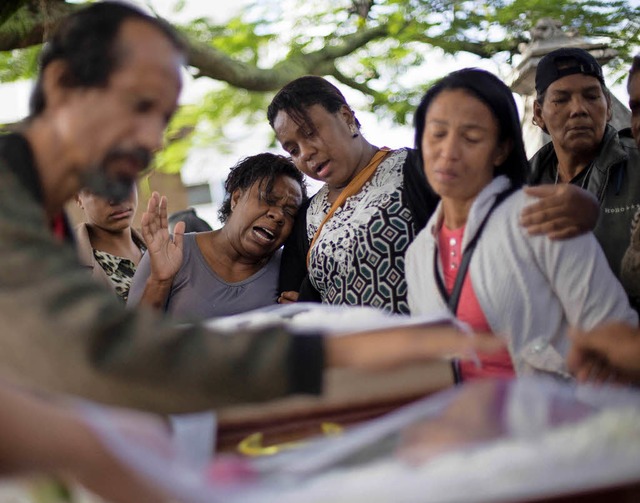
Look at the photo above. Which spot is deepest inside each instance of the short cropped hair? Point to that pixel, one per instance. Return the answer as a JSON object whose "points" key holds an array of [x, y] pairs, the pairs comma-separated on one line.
{"points": [[262, 168], [87, 43], [300, 94], [499, 99]]}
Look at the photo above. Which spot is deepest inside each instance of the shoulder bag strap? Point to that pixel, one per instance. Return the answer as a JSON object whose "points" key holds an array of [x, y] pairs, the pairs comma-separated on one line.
{"points": [[352, 188]]}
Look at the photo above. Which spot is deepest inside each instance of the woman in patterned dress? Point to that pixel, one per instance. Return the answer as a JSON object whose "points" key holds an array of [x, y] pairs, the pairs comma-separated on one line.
{"points": [[357, 257]]}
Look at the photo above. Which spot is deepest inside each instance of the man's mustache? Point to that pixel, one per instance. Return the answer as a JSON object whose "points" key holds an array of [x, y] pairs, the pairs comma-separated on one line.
{"points": [[116, 187], [140, 156]]}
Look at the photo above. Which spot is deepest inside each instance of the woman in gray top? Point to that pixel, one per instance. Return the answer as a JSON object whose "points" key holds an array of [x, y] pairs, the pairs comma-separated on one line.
{"points": [[231, 269], [221, 272]]}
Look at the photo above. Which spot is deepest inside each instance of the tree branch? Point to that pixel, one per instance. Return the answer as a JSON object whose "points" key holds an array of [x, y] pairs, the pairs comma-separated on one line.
{"points": [[8, 8], [27, 24], [481, 49], [348, 44], [358, 86], [214, 64]]}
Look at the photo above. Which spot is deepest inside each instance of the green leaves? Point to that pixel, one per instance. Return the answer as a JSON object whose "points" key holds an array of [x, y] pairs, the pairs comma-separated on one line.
{"points": [[381, 48], [19, 64]]}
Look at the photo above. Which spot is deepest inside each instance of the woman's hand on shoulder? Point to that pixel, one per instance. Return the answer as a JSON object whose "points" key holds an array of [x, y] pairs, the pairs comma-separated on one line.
{"points": [[561, 212]]}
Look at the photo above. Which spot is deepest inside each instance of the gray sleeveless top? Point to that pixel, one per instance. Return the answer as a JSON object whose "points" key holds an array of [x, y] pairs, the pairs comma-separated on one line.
{"points": [[199, 293]]}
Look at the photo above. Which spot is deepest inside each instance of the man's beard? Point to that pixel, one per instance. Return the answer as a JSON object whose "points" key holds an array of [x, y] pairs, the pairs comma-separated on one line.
{"points": [[115, 187]]}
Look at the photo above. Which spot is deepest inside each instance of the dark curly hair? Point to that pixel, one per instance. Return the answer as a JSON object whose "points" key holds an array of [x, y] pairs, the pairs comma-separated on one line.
{"points": [[87, 42], [263, 168], [300, 94]]}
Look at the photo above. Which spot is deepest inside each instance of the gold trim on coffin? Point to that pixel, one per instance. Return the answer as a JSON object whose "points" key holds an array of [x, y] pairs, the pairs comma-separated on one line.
{"points": [[252, 445]]}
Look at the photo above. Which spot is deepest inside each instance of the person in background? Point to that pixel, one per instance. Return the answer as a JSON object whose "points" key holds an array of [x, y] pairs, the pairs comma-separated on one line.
{"points": [[232, 269], [612, 351], [107, 243], [351, 237], [475, 258], [630, 267], [633, 88], [573, 105], [192, 222]]}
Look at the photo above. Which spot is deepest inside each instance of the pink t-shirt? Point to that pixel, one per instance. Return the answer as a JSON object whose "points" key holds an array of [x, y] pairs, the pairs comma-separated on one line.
{"points": [[496, 364]]}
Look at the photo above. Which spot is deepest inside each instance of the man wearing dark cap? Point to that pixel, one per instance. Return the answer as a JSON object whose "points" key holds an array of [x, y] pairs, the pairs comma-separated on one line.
{"points": [[573, 106], [615, 348]]}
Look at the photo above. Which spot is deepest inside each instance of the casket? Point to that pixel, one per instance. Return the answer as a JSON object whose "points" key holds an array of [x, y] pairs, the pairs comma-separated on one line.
{"points": [[522, 440]]}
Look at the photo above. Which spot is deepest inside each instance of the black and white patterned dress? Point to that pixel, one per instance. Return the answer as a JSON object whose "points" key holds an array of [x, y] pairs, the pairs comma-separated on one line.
{"points": [[359, 257]]}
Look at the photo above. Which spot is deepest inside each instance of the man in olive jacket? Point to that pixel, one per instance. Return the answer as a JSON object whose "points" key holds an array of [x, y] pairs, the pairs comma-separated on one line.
{"points": [[108, 85]]}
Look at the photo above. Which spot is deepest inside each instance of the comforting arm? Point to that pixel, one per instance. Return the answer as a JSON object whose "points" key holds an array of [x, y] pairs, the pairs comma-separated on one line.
{"points": [[561, 211]]}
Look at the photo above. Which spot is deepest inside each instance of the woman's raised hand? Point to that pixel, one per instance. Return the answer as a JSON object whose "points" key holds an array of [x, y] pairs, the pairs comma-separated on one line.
{"points": [[165, 252]]}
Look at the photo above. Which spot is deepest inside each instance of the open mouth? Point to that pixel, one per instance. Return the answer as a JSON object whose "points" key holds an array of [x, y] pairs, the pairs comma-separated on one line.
{"points": [[264, 234], [321, 168]]}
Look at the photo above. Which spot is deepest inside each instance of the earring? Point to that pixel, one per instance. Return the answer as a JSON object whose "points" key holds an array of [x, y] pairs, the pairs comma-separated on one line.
{"points": [[533, 121], [354, 130]]}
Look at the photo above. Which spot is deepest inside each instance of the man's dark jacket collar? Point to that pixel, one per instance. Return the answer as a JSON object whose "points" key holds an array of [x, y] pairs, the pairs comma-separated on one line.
{"points": [[16, 152], [17, 155]]}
